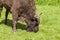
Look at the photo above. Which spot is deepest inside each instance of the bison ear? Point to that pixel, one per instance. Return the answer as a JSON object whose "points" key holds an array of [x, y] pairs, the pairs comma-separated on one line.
{"points": [[37, 16]]}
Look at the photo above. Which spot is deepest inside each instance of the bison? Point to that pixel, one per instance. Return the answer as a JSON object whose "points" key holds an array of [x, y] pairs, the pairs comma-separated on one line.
{"points": [[21, 9]]}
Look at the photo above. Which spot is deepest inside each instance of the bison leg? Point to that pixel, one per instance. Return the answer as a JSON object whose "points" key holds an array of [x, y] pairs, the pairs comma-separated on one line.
{"points": [[1, 7], [6, 15], [14, 22], [14, 19]]}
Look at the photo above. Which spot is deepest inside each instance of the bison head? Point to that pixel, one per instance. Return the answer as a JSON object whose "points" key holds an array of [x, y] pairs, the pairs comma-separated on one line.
{"points": [[33, 23]]}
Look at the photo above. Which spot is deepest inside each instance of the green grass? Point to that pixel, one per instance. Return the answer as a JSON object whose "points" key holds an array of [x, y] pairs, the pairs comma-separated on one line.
{"points": [[49, 28], [48, 2]]}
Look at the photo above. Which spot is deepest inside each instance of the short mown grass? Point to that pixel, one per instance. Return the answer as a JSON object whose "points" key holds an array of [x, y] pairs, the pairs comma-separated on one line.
{"points": [[49, 28]]}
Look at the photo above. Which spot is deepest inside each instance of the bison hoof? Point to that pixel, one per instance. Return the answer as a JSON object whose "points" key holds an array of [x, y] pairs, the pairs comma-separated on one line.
{"points": [[5, 23]]}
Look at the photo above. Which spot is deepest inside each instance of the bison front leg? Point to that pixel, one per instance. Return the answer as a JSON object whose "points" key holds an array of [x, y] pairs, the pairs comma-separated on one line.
{"points": [[14, 19], [6, 15], [1, 7]]}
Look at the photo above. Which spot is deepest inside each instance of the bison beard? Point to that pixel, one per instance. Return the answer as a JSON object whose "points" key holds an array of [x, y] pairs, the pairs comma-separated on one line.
{"points": [[21, 9]]}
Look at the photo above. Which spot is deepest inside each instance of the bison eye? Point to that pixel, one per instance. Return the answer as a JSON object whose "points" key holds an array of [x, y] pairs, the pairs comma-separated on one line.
{"points": [[32, 20]]}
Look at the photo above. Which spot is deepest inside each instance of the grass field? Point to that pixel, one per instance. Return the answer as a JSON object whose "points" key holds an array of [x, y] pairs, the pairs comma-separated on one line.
{"points": [[49, 28]]}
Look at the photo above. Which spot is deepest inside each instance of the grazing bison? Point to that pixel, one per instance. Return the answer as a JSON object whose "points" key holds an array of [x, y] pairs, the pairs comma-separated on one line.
{"points": [[21, 9]]}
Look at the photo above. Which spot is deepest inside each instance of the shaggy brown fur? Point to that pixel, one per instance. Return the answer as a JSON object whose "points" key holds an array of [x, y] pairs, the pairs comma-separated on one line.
{"points": [[21, 9]]}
